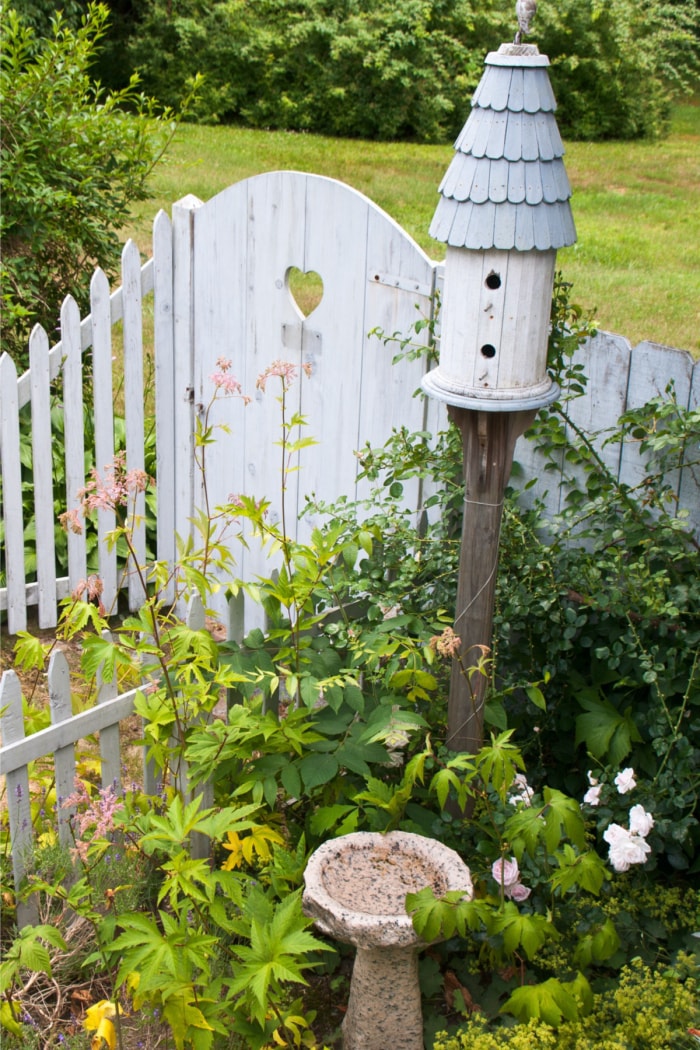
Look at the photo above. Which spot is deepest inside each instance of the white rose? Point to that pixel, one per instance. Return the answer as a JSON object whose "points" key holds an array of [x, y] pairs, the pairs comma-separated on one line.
{"points": [[592, 796], [641, 822], [625, 781], [625, 849]]}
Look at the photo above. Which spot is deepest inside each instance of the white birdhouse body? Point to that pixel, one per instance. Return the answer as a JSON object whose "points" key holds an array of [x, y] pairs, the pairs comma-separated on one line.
{"points": [[504, 211]]}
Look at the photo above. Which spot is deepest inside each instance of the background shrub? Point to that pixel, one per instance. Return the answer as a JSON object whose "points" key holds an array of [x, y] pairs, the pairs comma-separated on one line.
{"points": [[406, 69], [73, 160]]}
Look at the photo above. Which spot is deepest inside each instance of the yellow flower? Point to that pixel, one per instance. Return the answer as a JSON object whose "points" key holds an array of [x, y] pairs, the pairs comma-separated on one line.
{"points": [[243, 849], [99, 1019]]}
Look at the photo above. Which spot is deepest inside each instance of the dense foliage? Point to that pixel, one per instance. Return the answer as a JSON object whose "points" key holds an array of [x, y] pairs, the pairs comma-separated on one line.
{"points": [[335, 719], [73, 160], [380, 69]]}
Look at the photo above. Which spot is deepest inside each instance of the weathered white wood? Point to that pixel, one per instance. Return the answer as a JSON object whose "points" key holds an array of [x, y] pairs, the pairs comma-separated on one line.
{"points": [[15, 755], [103, 422], [689, 489], [12, 496], [164, 392], [42, 464], [17, 786], [606, 362], [400, 280], [57, 351], [64, 756], [494, 328], [134, 410], [110, 756], [646, 381], [74, 433], [183, 215]]}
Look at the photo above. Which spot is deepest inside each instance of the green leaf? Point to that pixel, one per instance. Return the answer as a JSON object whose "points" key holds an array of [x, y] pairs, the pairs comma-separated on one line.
{"points": [[317, 769], [562, 817], [607, 733], [552, 1001], [536, 695]]}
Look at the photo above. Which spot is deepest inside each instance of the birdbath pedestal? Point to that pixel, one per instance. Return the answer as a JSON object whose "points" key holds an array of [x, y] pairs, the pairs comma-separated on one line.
{"points": [[355, 890]]}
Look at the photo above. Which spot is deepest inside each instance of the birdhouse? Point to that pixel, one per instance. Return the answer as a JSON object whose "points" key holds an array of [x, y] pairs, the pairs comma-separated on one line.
{"points": [[503, 213]]}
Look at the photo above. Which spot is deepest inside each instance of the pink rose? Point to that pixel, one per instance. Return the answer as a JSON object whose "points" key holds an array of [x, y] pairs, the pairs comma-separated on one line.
{"points": [[505, 872]]}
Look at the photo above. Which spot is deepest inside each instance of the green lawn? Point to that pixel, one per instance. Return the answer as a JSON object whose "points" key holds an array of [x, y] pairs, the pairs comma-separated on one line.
{"points": [[636, 206]]}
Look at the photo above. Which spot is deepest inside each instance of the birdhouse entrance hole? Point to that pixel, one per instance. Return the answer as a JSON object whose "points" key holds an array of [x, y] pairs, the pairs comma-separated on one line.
{"points": [[488, 351], [305, 288], [493, 280]]}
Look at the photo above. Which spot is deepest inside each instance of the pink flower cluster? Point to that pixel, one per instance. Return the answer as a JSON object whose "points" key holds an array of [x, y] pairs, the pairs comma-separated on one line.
{"points": [[226, 382], [115, 488], [447, 643], [507, 875], [95, 815], [285, 370]]}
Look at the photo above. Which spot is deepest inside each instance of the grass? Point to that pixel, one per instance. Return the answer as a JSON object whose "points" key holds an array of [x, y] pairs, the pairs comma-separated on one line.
{"points": [[636, 207]]}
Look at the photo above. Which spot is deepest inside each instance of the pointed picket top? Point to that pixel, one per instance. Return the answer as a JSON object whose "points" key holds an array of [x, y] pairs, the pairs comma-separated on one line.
{"points": [[507, 186]]}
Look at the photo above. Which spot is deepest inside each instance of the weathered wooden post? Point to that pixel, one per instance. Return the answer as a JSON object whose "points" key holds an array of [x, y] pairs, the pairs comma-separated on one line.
{"points": [[503, 213]]}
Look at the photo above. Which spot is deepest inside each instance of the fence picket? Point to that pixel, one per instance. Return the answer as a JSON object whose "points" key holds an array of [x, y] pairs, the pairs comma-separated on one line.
{"points": [[42, 464], [74, 435], [165, 393], [689, 488], [64, 754], [12, 497], [103, 422], [18, 799], [110, 751], [134, 404]]}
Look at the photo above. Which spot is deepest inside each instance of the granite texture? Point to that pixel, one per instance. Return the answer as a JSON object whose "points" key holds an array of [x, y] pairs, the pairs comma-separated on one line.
{"points": [[355, 890]]}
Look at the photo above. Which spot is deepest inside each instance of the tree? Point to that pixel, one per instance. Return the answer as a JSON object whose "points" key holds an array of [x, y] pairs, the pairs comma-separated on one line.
{"points": [[73, 160]]}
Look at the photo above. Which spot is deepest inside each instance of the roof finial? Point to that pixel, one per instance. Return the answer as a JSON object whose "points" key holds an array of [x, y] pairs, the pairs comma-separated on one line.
{"points": [[525, 12]]}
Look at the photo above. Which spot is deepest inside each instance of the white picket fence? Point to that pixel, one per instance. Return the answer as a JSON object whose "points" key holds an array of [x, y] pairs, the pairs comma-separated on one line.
{"points": [[219, 277]]}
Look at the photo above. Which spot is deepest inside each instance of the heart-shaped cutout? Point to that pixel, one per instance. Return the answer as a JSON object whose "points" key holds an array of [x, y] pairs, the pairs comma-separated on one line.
{"points": [[305, 288]]}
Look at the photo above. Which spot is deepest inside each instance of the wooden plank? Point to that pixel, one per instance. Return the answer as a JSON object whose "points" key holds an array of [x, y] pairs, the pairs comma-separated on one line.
{"points": [[64, 756], [689, 489], [387, 397], [74, 434], [12, 497], [15, 755], [164, 393], [17, 786], [606, 363], [652, 369], [183, 384], [335, 246], [103, 424], [110, 754], [31, 592], [42, 470], [134, 410]]}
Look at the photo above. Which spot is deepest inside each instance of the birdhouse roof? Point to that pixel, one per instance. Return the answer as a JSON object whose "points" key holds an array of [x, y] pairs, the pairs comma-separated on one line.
{"points": [[507, 186]]}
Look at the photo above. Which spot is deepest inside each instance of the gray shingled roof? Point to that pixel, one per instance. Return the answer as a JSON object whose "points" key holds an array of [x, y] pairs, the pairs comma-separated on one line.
{"points": [[506, 186]]}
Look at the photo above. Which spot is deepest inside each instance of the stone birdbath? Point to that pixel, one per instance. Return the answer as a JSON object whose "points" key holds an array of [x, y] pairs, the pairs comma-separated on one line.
{"points": [[355, 890]]}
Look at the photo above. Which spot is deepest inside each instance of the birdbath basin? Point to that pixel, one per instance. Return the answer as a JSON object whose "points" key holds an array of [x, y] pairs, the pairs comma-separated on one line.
{"points": [[355, 890]]}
